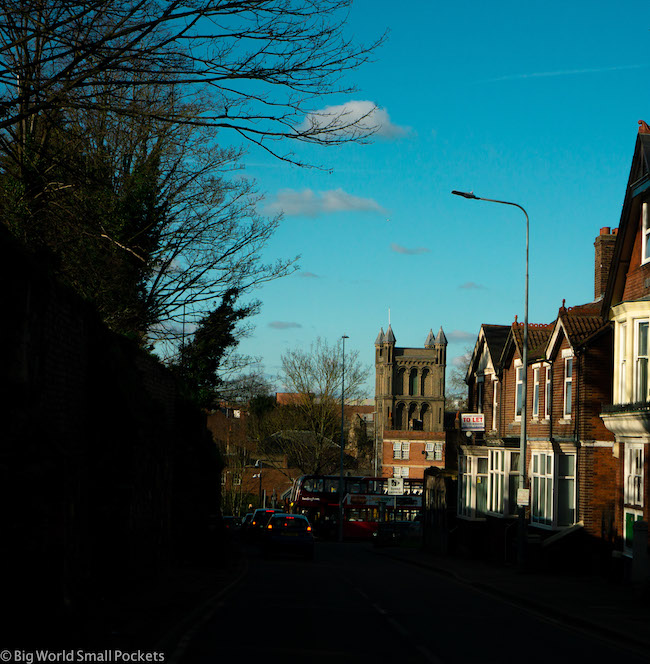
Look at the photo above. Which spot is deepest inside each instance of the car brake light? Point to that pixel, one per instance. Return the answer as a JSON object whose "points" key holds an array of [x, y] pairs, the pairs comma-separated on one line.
{"points": [[270, 527], [308, 529], [254, 523]]}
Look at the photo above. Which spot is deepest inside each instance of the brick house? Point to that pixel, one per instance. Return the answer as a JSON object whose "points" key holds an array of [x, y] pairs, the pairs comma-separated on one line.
{"points": [[626, 303], [569, 460], [410, 404]]}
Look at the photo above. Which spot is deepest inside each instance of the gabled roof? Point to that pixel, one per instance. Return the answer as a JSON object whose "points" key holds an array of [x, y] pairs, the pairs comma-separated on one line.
{"points": [[578, 323], [493, 337], [538, 336], [638, 182]]}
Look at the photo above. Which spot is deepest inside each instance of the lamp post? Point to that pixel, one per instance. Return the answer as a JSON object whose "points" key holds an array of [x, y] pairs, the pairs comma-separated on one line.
{"points": [[521, 509], [341, 443]]}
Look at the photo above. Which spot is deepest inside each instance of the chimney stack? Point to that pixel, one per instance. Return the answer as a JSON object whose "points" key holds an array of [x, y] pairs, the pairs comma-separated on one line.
{"points": [[604, 245]]}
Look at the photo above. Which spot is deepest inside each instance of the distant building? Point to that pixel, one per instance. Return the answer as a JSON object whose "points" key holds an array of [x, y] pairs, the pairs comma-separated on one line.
{"points": [[410, 404]]}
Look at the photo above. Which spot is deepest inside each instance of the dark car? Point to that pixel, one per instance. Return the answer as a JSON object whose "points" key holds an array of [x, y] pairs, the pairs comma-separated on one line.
{"points": [[257, 523], [290, 534], [232, 524]]}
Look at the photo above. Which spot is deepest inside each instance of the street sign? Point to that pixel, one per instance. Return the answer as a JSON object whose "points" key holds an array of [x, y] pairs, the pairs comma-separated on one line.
{"points": [[523, 497], [395, 486]]}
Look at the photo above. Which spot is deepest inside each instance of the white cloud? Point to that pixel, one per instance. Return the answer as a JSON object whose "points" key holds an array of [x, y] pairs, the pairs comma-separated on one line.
{"points": [[308, 275], [312, 204], [459, 335], [399, 249], [470, 285], [353, 118]]}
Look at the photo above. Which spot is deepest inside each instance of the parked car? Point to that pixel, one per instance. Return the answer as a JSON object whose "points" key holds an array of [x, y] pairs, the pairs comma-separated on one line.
{"points": [[232, 524], [288, 533], [395, 532]]}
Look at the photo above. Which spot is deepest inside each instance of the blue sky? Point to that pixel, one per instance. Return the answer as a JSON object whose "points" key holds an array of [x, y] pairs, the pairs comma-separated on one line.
{"points": [[531, 102]]}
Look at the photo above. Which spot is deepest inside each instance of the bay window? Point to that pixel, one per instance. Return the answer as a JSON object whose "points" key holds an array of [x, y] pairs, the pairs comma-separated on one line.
{"points": [[622, 363], [633, 491], [496, 481], [472, 494], [553, 489], [641, 361]]}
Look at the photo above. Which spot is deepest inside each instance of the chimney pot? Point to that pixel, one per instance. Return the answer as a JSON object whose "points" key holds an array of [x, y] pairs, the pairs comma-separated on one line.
{"points": [[606, 230]]}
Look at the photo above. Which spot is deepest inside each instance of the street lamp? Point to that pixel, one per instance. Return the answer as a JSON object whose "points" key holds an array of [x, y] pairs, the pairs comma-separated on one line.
{"points": [[521, 544], [341, 444]]}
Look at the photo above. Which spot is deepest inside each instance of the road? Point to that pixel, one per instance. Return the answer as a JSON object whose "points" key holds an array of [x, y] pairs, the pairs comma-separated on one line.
{"points": [[353, 604]]}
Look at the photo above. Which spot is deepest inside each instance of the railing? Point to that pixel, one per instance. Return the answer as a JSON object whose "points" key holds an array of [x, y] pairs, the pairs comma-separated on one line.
{"points": [[638, 407]]}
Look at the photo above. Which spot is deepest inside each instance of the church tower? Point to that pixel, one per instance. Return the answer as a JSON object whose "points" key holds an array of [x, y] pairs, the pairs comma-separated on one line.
{"points": [[409, 401]]}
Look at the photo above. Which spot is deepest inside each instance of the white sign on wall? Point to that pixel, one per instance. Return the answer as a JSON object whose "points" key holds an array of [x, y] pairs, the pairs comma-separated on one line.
{"points": [[395, 486], [472, 421]]}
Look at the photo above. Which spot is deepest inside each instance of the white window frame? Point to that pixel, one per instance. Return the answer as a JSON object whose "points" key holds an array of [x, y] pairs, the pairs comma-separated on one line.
{"points": [[547, 489], [495, 404], [567, 385], [633, 491], [480, 382], [400, 471], [519, 380], [645, 257], [633, 484], [429, 451], [437, 451], [548, 392], [510, 499], [496, 482], [641, 361], [535, 413], [401, 451], [469, 477], [622, 363]]}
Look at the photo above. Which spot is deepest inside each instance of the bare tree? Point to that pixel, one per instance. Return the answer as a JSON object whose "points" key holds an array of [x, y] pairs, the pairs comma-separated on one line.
{"points": [[456, 392], [253, 67], [309, 429]]}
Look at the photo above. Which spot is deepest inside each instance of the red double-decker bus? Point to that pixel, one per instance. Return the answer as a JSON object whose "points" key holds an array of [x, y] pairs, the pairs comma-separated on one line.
{"points": [[366, 503]]}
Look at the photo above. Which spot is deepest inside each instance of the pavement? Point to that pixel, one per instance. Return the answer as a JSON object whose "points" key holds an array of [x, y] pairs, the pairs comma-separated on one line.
{"points": [[164, 618], [612, 610]]}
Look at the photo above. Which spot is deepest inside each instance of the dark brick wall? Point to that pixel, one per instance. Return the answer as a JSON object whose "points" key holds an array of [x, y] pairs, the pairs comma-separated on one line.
{"points": [[106, 474]]}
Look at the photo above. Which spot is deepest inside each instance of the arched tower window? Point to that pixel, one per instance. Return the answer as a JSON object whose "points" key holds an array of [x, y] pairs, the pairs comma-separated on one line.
{"points": [[400, 387], [413, 382], [423, 382], [413, 416], [425, 416], [398, 416]]}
